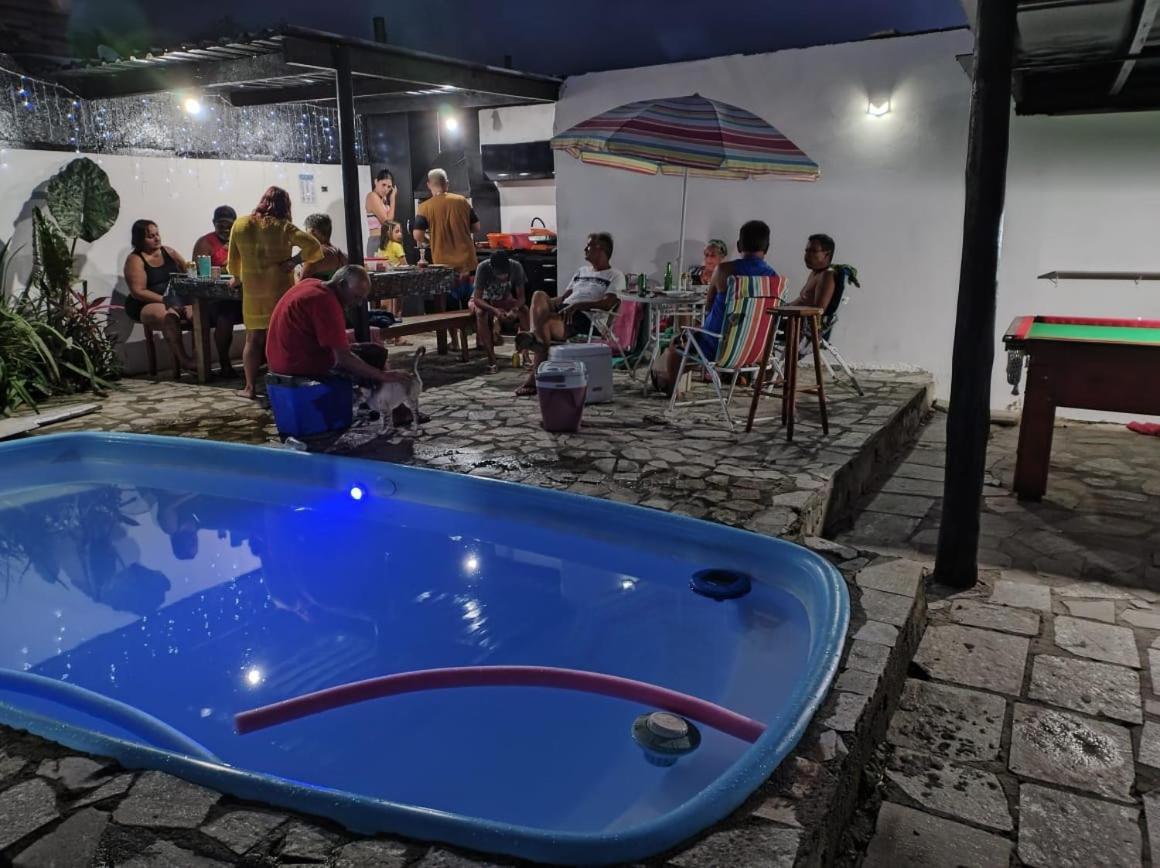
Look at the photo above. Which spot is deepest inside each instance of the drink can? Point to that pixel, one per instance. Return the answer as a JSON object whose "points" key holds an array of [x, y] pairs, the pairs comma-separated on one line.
{"points": [[203, 266], [215, 273], [191, 269]]}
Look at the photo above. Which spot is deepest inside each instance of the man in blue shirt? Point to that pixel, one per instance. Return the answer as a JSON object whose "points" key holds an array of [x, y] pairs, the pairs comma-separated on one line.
{"points": [[752, 244]]}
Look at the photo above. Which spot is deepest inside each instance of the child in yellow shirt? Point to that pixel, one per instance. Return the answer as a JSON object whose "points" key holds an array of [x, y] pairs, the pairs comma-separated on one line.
{"points": [[392, 250]]}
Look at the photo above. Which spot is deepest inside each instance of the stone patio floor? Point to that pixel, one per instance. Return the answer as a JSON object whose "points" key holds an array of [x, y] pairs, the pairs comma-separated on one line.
{"points": [[626, 451], [1029, 732], [1100, 518]]}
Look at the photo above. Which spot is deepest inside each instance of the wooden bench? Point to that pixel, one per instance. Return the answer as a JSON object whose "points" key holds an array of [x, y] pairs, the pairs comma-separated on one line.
{"points": [[461, 321]]}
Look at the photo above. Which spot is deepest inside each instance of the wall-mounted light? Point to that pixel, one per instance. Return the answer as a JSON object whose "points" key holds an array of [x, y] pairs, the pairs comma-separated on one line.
{"points": [[451, 123], [877, 108], [191, 105]]}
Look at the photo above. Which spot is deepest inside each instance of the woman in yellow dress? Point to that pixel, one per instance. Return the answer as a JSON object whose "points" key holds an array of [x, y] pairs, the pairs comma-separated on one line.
{"points": [[260, 259]]}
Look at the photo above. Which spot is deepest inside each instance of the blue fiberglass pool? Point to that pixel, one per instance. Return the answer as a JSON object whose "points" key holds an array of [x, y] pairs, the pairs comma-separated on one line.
{"points": [[152, 589]]}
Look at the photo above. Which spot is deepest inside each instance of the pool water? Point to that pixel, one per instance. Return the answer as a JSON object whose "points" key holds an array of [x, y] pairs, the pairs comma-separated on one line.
{"points": [[197, 601]]}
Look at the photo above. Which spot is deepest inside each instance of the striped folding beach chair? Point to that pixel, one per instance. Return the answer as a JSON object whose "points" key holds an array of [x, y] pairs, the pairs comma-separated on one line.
{"points": [[740, 342]]}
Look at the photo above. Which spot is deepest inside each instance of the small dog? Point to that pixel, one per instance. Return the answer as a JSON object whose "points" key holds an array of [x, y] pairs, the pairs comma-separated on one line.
{"points": [[385, 397]]}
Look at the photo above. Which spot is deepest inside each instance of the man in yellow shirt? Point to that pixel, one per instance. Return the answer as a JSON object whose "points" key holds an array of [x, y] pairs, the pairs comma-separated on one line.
{"points": [[449, 222]]}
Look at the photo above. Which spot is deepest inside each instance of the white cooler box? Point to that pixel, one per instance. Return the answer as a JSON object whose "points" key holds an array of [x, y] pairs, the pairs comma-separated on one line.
{"points": [[597, 361]]}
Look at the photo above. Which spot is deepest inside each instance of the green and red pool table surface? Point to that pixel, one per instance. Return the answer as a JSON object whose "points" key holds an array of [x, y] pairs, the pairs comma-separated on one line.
{"points": [[1092, 363], [1084, 329]]}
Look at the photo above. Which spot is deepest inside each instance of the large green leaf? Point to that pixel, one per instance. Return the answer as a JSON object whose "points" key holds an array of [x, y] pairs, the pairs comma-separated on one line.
{"points": [[52, 264], [82, 201]]}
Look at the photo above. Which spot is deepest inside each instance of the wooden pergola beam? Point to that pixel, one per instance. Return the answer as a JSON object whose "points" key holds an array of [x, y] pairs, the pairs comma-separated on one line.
{"points": [[427, 102], [973, 358], [373, 60], [363, 87]]}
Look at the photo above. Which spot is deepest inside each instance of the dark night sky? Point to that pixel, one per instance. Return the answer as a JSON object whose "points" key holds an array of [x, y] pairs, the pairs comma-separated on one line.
{"points": [[554, 36]]}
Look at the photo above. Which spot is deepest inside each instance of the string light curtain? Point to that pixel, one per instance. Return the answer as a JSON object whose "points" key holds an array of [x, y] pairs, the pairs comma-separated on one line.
{"points": [[39, 114]]}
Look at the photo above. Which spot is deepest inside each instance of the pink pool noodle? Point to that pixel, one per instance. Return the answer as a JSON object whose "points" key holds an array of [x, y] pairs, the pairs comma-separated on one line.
{"points": [[699, 710]]}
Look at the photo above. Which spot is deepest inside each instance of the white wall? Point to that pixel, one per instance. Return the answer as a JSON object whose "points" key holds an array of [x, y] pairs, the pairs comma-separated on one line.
{"points": [[1083, 192], [521, 201], [180, 194], [515, 124]]}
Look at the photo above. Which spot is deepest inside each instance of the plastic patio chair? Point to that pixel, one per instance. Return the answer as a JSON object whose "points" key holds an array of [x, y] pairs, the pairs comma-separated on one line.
{"points": [[843, 276], [619, 328], [602, 324], [741, 341]]}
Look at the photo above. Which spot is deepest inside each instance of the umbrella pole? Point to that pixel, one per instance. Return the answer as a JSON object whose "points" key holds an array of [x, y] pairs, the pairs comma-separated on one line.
{"points": [[681, 239]]}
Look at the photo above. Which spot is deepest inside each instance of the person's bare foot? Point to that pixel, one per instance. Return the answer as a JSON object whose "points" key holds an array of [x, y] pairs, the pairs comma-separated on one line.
{"points": [[246, 392]]}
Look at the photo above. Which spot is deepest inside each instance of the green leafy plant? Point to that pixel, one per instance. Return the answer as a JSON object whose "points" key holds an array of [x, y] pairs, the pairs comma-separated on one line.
{"points": [[28, 370], [82, 201], [53, 336]]}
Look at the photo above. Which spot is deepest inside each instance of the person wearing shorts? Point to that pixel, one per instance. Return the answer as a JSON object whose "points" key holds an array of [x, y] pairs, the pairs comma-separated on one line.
{"points": [[500, 284], [594, 287]]}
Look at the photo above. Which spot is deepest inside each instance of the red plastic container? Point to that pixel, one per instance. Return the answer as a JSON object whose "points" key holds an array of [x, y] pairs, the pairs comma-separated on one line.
{"points": [[562, 387]]}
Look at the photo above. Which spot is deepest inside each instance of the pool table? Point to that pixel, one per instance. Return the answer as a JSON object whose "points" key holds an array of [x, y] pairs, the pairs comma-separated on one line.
{"points": [[1087, 362]]}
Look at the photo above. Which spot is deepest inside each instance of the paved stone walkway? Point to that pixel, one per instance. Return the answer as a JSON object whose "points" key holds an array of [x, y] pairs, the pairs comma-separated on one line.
{"points": [[1031, 727], [1099, 520], [1030, 731]]}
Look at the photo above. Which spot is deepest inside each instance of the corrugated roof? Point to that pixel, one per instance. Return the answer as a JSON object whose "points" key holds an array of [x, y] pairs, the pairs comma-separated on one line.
{"points": [[222, 48]]}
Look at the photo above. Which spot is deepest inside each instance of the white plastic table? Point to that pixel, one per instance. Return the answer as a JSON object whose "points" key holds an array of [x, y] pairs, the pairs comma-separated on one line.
{"points": [[690, 302]]}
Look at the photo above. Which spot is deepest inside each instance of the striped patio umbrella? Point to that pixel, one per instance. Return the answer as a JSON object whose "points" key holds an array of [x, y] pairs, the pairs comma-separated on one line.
{"points": [[688, 135]]}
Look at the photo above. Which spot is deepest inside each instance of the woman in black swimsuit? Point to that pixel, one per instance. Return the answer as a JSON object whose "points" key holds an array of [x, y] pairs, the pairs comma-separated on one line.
{"points": [[147, 272]]}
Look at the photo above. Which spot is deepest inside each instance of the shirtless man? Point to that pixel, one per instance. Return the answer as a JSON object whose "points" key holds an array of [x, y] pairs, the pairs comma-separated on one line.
{"points": [[819, 288]]}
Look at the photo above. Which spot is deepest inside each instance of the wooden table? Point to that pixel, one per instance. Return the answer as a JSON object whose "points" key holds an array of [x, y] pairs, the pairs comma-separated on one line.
{"points": [[200, 294], [792, 316], [1088, 362], [409, 281]]}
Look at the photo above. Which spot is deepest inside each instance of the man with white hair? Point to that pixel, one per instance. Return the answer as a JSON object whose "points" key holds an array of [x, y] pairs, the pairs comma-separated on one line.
{"points": [[448, 222]]}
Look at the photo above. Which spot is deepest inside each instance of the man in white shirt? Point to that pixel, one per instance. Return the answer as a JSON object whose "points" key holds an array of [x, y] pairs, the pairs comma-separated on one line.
{"points": [[594, 287]]}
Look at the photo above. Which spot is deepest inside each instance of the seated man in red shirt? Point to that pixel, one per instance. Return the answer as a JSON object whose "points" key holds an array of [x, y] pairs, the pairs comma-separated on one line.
{"points": [[307, 335]]}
